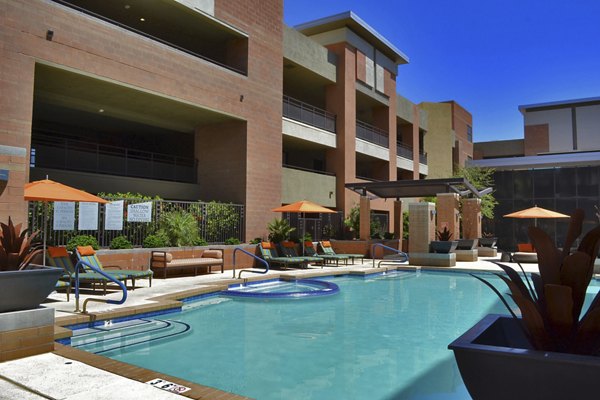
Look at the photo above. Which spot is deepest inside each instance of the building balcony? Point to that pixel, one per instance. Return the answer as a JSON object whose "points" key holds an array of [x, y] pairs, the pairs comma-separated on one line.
{"points": [[404, 151], [372, 134], [308, 114], [83, 156], [300, 183]]}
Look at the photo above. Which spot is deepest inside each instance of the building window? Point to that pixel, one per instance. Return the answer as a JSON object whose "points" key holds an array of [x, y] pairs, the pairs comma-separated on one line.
{"points": [[470, 133]]}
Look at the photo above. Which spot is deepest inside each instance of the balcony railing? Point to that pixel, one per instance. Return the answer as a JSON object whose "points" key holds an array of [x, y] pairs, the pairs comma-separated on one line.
{"points": [[316, 171], [404, 151], [372, 134], [77, 155], [423, 158], [311, 115]]}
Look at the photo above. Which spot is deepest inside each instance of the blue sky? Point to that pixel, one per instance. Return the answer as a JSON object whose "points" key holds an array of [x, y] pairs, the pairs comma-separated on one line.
{"points": [[489, 55]]}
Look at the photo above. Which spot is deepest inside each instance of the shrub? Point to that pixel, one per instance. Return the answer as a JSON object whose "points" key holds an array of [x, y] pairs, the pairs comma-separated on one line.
{"points": [[120, 242], [256, 240], [180, 228], [328, 231], [279, 230], [156, 240], [353, 221], [16, 250], [82, 240], [200, 242], [232, 241]]}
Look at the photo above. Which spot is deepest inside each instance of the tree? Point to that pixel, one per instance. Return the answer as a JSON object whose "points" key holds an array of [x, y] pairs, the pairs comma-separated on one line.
{"points": [[481, 178]]}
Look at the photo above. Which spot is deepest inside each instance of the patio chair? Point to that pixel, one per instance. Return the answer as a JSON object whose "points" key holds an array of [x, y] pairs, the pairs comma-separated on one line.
{"points": [[88, 255], [325, 248], [288, 249], [61, 284], [269, 254], [309, 250], [59, 257]]}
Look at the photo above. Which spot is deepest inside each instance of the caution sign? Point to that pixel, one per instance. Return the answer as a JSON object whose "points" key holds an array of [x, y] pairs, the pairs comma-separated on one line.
{"points": [[168, 386]]}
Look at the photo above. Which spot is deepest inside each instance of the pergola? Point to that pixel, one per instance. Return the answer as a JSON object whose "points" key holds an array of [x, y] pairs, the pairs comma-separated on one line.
{"points": [[408, 189]]}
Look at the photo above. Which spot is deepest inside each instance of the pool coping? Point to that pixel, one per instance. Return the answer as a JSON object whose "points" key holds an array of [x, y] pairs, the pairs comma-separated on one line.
{"points": [[173, 302]]}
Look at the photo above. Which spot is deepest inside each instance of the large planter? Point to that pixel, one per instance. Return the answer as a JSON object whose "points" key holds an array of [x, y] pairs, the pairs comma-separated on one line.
{"points": [[27, 289], [467, 244], [488, 241], [444, 246], [497, 362]]}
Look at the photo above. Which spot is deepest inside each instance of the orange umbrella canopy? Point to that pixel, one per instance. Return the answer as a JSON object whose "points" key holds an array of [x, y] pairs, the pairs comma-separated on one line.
{"points": [[536, 212], [303, 206], [47, 190]]}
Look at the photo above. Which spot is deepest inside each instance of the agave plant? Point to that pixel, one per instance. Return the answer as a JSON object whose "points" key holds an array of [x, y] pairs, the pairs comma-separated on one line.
{"points": [[444, 236], [551, 309], [16, 250], [279, 230]]}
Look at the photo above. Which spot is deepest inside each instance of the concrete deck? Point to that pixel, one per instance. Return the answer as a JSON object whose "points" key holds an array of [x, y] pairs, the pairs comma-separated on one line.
{"points": [[51, 376]]}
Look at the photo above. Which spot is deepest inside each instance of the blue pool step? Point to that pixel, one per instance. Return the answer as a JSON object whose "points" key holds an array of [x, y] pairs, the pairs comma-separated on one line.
{"points": [[110, 337]]}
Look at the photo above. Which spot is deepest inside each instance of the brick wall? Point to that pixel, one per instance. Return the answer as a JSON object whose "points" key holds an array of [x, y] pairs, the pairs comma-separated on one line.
{"points": [[537, 139]]}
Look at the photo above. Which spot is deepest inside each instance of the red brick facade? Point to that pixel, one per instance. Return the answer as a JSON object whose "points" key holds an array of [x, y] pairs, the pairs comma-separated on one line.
{"points": [[537, 139]]}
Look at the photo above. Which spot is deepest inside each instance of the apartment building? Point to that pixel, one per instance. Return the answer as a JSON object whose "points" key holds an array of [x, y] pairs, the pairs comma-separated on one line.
{"points": [[121, 96], [449, 140], [556, 166]]}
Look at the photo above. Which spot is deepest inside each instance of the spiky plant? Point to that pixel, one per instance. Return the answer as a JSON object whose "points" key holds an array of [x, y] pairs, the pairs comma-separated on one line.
{"points": [[444, 235], [551, 309], [279, 230], [16, 250]]}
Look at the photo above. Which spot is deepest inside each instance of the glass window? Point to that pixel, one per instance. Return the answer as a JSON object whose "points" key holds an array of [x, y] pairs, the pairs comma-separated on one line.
{"points": [[565, 182], [523, 185], [587, 181], [543, 183]]}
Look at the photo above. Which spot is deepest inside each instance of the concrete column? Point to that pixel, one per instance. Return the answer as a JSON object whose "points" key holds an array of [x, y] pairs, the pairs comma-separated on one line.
{"points": [[398, 226], [448, 214], [365, 218], [421, 227], [471, 218]]}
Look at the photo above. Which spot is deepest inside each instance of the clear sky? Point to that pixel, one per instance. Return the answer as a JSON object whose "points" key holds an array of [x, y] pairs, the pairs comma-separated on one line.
{"points": [[489, 55]]}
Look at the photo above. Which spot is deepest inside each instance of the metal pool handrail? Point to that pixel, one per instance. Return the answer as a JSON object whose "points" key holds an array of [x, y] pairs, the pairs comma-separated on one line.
{"points": [[398, 253], [104, 274], [249, 270]]}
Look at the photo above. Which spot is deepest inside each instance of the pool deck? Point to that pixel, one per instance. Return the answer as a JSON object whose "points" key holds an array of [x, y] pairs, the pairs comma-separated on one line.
{"points": [[71, 374]]}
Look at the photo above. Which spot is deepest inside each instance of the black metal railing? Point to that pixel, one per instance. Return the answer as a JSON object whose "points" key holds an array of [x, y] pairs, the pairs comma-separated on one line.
{"points": [[316, 171], [311, 115], [372, 134], [423, 158], [217, 222], [77, 155], [404, 151]]}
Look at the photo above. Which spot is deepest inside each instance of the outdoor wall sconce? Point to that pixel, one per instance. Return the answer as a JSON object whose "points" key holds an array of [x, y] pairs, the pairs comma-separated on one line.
{"points": [[49, 35], [432, 214], [241, 98]]}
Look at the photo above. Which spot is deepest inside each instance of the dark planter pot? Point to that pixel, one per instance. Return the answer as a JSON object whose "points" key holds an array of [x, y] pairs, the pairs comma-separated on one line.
{"points": [[496, 362], [27, 289], [444, 246], [488, 241], [467, 244]]}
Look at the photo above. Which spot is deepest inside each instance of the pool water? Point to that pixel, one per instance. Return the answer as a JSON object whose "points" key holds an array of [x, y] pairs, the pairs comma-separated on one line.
{"points": [[383, 337]]}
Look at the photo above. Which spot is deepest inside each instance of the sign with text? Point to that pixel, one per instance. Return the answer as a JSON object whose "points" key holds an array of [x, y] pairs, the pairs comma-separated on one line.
{"points": [[88, 217], [113, 216], [168, 386], [64, 216], [140, 212]]}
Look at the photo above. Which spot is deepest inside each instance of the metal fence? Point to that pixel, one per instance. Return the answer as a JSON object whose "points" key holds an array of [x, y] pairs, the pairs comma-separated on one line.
{"points": [[309, 114], [319, 226], [372, 134], [217, 222]]}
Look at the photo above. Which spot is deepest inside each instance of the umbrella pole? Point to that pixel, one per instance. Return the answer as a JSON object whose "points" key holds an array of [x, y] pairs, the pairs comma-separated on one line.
{"points": [[45, 223]]}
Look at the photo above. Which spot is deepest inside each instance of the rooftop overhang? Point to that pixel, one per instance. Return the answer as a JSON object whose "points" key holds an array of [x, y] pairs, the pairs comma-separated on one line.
{"points": [[417, 188], [353, 21]]}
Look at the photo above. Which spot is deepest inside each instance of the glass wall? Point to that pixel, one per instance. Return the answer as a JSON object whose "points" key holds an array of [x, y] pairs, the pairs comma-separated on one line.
{"points": [[557, 189]]}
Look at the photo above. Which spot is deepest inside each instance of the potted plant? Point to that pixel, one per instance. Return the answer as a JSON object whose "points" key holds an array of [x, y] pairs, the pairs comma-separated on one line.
{"points": [[488, 240], [467, 244], [444, 244], [23, 285], [551, 352]]}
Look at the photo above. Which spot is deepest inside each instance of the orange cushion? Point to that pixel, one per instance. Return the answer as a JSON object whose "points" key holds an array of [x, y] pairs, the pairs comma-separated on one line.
{"points": [[57, 252], [85, 250], [162, 257], [266, 245], [525, 247], [288, 244], [308, 243], [326, 243]]}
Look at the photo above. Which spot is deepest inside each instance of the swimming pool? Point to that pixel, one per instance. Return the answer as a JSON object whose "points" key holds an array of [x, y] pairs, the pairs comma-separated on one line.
{"points": [[381, 337]]}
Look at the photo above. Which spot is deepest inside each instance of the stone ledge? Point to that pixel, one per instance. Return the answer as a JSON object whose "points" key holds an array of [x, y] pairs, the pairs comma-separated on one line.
{"points": [[432, 259], [466, 255]]}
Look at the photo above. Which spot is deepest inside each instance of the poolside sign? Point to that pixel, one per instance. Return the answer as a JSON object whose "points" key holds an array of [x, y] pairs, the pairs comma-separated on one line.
{"points": [[64, 216], [139, 212], [113, 216], [168, 386]]}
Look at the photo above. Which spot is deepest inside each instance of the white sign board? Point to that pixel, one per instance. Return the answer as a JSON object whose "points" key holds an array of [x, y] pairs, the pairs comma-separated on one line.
{"points": [[140, 212], [64, 216], [113, 216], [88, 217], [168, 386]]}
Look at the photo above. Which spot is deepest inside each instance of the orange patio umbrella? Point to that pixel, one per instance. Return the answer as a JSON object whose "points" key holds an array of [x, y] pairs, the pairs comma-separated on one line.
{"points": [[302, 207], [47, 190], [535, 213]]}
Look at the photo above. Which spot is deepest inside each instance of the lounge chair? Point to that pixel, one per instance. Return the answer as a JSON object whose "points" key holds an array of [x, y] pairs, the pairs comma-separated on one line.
{"points": [[325, 248], [288, 249], [60, 284], [269, 254], [525, 254], [88, 255], [309, 250], [59, 257]]}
